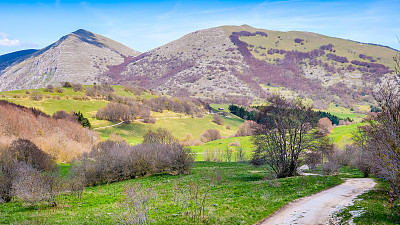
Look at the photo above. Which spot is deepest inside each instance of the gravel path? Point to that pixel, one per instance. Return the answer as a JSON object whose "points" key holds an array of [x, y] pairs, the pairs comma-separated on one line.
{"points": [[318, 208]]}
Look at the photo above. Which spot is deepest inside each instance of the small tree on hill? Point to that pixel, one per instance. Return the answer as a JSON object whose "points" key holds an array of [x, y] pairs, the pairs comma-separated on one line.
{"points": [[36, 95], [83, 120]]}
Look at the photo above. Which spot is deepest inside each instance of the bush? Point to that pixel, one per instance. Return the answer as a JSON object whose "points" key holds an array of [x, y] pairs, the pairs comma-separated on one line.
{"points": [[218, 119], [325, 126], [330, 167], [7, 174], [64, 115], [66, 84], [248, 128], [36, 95], [161, 136], [59, 90], [49, 88], [312, 159], [26, 151], [210, 135], [112, 161], [77, 87], [23, 178], [32, 186]]}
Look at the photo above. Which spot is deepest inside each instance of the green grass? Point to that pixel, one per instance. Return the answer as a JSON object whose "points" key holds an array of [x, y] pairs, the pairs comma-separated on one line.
{"points": [[236, 194], [50, 106], [216, 106], [179, 127], [374, 207], [221, 144], [341, 135]]}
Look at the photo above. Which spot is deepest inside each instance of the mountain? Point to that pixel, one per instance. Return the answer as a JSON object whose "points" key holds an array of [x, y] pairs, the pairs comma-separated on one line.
{"points": [[80, 57], [10, 58], [242, 63]]}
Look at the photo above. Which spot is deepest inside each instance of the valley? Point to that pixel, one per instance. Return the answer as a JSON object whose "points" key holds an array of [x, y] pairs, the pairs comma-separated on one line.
{"points": [[207, 129]]}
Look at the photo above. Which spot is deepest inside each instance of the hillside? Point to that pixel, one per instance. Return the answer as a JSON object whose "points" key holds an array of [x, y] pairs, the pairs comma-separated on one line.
{"points": [[80, 57], [228, 64], [240, 63], [10, 58], [179, 123]]}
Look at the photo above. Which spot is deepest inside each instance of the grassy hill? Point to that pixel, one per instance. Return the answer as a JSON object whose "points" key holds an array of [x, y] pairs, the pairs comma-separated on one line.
{"points": [[178, 123]]}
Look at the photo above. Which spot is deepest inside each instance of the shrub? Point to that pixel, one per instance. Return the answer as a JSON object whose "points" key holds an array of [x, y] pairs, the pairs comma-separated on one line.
{"points": [[115, 112], [32, 186], [77, 87], [138, 205], [59, 90], [65, 116], [66, 84], [218, 119], [36, 95], [99, 90], [210, 135], [49, 88], [26, 151], [161, 136], [330, 167], [7, 174], [63, 139], [312, 159], [325, 126], [112, 161], [81, 98], [248, 128]]}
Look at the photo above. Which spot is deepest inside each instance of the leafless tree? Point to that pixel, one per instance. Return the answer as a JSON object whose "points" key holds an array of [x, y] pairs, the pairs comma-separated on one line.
{"points": [[384, 134], [283, 134]]}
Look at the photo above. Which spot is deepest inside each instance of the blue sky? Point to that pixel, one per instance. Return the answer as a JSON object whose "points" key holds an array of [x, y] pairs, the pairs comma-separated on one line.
{"points": [[144, 25]]}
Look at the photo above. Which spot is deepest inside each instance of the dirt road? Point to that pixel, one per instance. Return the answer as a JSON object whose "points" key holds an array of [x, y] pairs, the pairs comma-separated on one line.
{"points": [[318, 208]]}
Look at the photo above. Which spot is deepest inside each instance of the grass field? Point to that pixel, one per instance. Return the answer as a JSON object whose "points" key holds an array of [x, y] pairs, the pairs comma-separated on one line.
{"points": [[233, 193], [341, 136]]}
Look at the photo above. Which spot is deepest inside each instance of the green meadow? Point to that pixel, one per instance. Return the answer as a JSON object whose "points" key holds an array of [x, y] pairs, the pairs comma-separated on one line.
{"points": [[215, 193]]}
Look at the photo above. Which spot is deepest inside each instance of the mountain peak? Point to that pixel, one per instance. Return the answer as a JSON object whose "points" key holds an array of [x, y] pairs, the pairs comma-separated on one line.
{"points": [[88, 37]]}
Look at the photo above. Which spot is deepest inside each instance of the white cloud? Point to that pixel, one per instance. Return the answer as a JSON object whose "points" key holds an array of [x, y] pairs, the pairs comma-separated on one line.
{"points": [[4, 41]]}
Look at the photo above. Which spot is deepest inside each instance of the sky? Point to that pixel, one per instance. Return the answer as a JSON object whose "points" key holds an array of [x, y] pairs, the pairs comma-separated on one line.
{"points": [[144, 25]]}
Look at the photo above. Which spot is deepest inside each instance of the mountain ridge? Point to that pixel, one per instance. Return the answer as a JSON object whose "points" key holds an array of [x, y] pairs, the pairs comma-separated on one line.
{"points": [[80, 56]]}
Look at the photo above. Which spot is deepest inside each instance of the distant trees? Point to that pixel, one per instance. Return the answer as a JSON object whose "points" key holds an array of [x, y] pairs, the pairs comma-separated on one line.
{"points": [[283, 134], [99, 90], [242, 112]]}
